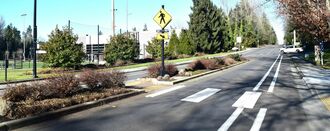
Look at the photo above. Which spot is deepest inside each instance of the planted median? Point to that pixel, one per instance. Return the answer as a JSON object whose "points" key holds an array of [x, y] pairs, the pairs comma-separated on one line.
{"points": [[63, 90]]}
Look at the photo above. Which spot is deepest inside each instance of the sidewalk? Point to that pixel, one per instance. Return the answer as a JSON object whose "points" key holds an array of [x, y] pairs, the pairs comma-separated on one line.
{"points": [[316, 97]]}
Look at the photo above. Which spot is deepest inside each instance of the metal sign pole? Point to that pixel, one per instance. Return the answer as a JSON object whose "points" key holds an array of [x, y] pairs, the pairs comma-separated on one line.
{"points": [[163, 62]]}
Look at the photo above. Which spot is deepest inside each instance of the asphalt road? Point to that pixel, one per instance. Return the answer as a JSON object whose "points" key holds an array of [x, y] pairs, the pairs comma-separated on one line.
{"points": [[144, 73], [238, 99]]}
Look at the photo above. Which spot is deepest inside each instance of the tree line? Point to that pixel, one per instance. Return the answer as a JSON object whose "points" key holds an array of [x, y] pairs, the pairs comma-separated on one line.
{"points": [[310, 18], [12, 41], [211, 30]]}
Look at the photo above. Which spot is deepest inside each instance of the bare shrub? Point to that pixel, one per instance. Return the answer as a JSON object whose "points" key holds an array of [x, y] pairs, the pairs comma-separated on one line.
{"points": [[229, 61], [196, 65], [209, 64]]}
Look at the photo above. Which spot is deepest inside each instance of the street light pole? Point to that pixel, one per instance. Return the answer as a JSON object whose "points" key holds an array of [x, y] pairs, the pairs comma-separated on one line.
{"points": [[98, 44], [35, 40], [24, 35]]}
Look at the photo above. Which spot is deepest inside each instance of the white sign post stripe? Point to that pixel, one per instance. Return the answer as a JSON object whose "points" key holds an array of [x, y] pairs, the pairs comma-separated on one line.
{"points": [[259, 119], [225, 126], [201, 95], [166, 91], [272, 85], [265, 76], [247, 100]]}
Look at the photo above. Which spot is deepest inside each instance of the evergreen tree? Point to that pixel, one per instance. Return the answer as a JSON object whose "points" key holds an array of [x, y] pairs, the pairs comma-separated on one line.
{"points": [[154, 48], [207, 26], [174, 42], [63, 50], [12, 39], [186, 46]]}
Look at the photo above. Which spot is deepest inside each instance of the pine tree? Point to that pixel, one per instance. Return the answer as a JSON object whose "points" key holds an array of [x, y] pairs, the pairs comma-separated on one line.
{"points": [[186, 46], [174, 41]]}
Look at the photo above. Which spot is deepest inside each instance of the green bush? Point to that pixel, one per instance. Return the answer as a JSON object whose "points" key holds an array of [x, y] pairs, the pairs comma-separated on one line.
{"points": [[121, 47], [154, 48], [236, 57], [62, 49]]}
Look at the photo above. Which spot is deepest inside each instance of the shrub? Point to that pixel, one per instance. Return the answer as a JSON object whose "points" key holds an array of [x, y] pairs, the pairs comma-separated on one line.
{"points": [[91, 79], [120, 63], [219, 61], [210, 64], [236, 57], [229, 61], [155, 70], [171, 69], [196, 65], [17, 93], [183, 56], [112, 79], [121, 47], [62, 49], [99, 80], [63, 84]]}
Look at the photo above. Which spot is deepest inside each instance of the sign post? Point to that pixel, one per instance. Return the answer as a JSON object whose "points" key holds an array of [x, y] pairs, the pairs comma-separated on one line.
{"points": [[162, 18], [322, 52]]}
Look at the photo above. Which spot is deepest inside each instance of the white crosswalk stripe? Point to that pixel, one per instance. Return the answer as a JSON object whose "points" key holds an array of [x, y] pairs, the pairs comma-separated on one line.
{"points": [[201, 95]]}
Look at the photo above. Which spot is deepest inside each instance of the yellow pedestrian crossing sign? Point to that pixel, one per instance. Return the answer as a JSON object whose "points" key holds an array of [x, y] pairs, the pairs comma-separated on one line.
{"points": [[162, 36], [162, 18]]}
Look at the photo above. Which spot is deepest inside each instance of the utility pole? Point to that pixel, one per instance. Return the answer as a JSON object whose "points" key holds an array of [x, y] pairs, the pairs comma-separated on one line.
{"points": [[113, 18], [35, 40]]}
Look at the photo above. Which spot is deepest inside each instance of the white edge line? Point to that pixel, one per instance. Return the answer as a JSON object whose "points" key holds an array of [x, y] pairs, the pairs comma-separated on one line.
{"points": [[165, 91], [265, 76], [272, 85], [259, 119], [225, 126]]}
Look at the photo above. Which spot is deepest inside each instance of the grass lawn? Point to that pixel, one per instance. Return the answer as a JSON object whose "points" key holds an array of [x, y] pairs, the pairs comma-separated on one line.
{"points": [[20, 74]]}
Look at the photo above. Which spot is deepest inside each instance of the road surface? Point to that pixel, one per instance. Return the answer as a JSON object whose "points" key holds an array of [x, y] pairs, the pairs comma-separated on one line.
{"points": [[263, 94]]}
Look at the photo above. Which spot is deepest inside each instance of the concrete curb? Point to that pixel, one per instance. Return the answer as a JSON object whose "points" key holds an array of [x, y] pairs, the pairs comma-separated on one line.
{"points": [[14, 124], [195, 76]]}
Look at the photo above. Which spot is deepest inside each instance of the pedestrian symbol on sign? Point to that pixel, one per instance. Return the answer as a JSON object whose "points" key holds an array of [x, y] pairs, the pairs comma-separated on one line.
{"points": [[162, 17]]}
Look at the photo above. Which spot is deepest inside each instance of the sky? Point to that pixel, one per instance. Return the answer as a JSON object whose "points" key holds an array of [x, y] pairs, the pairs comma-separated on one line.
{"points": [[85, 15]]}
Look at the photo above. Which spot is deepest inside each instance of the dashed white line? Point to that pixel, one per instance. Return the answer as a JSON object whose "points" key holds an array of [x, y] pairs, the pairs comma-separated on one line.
{"points": [[201, 95], [259, 119], [247, 100], [225, 126], [166, 91], [265, 76], [272, 85]]}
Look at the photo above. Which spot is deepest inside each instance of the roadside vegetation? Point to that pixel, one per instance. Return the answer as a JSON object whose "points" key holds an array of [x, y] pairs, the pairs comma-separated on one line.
{"points": [[61, 91], [195, 67]]}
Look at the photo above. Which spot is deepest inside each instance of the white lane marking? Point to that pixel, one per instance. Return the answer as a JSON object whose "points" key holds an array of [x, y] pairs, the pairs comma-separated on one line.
{"points": [[225, 126], [272, 85], [166, 91], [265, 76], [247, 100], [201, 95], [259, 119]]}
